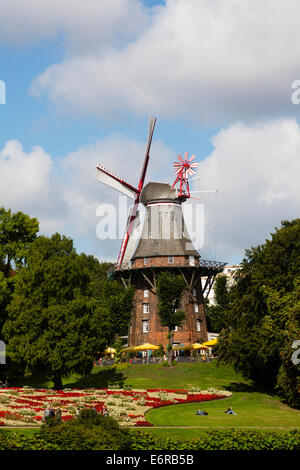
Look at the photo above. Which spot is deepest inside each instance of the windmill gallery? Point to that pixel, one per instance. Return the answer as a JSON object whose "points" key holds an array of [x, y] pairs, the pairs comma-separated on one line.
{"points": [[163, 244]]}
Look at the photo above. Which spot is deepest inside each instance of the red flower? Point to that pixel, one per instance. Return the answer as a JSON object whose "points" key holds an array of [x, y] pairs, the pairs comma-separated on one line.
{"points": [[143, 423], [67, 417]]}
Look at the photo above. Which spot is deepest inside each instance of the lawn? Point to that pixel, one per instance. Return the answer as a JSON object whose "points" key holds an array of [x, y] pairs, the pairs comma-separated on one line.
{"points": [[253, 410], [156, 376], [151, 376]]}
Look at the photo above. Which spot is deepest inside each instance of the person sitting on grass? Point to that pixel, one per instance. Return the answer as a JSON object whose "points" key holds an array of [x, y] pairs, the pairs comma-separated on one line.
{"points": [[201, 413], [229, 411]]}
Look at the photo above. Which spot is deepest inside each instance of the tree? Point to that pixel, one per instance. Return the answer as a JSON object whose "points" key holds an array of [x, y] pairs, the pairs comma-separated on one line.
{"points": [[17, 232], [288, 378], [115, 302], [54, 324], [170, 290], [116, 305], [262, 315], [5, 294], [216, 313]]}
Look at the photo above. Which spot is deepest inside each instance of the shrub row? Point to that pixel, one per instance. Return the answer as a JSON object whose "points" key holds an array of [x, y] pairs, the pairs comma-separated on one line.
{"points": [[222, 440], [92, 431]]}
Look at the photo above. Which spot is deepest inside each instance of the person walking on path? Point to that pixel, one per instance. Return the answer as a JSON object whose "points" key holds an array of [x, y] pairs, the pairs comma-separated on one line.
{"points": [[46, 413], [58, 415]]}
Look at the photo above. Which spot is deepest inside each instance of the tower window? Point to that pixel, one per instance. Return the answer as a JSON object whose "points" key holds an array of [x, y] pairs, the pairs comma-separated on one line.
{"points": [[146, 292], [176, 328], [196, 308], [146, 260], [171, 259], [194, 292], [145, 326], [198, 325], [145, 308], [192, 260]]}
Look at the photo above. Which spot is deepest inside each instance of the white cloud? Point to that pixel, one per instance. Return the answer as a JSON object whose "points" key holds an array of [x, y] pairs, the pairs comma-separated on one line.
{"points": [[208, 60], [256, 172], [28, 182], [88, 25]]}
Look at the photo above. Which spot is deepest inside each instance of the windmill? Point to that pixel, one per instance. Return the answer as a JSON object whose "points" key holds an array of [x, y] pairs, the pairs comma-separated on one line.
{"points": [[105, 176], [163, 245]]}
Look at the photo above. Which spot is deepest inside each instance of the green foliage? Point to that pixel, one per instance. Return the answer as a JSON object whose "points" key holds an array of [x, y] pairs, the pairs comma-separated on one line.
{"points": [[69, 436], [90, 431], [165, 364], [216, 313], [262, 319], [17, 231], [170, 289], [17, 441], [222, 440], [6, 289], [160, 352], [288, 379], [116, 306]]}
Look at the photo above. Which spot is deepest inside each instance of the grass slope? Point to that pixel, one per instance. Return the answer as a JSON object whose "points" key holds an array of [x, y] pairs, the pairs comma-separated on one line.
{"points": [[149, 376], [157, 376], [253, 410]]}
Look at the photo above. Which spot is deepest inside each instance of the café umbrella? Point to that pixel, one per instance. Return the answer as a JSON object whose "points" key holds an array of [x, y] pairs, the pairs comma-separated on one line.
{"points": [[146, 347], [199, 346], [110, 350], [212, 342]]}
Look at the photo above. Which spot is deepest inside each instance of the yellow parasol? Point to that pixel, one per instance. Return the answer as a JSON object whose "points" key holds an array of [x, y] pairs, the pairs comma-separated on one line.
{"points": [[110, 350], [199, 346], [145, 347], [211, 342], [127, 349]]}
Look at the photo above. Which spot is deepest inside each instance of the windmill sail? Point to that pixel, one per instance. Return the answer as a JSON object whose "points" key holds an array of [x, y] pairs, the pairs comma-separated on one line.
{"points": [[129, 240], [105, 176], [132, 240]]}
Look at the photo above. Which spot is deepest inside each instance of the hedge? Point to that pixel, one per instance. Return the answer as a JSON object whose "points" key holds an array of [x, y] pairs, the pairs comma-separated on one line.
{"points": [[96, 438], [222, 440]]}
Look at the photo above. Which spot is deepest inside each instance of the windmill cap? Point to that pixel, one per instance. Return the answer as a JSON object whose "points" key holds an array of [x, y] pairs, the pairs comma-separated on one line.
{"points": [[158, 192]]}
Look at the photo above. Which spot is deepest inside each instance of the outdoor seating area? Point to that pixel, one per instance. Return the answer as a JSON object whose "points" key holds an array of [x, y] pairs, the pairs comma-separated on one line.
{"points": [[146, 354]]}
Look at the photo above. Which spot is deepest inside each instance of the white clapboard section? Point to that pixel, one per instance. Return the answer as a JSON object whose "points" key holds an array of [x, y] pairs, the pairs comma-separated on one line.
{"points": [[132, 240], [108, 178]]}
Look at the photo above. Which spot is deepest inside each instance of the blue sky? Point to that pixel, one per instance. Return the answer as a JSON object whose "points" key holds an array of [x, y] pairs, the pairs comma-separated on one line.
{"points": [[83, 77]]}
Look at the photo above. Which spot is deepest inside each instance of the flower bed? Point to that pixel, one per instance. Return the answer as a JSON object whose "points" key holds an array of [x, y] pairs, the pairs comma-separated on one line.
{"points": [[25, 407]]}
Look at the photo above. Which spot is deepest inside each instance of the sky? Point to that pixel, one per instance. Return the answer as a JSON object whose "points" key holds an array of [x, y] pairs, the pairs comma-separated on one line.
{"points": [[82, 78]]}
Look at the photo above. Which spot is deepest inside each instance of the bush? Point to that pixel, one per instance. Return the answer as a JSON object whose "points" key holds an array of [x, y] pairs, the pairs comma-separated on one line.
{"points": [[18, 441], [160, 352], [90, 431], [165, 364]]}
